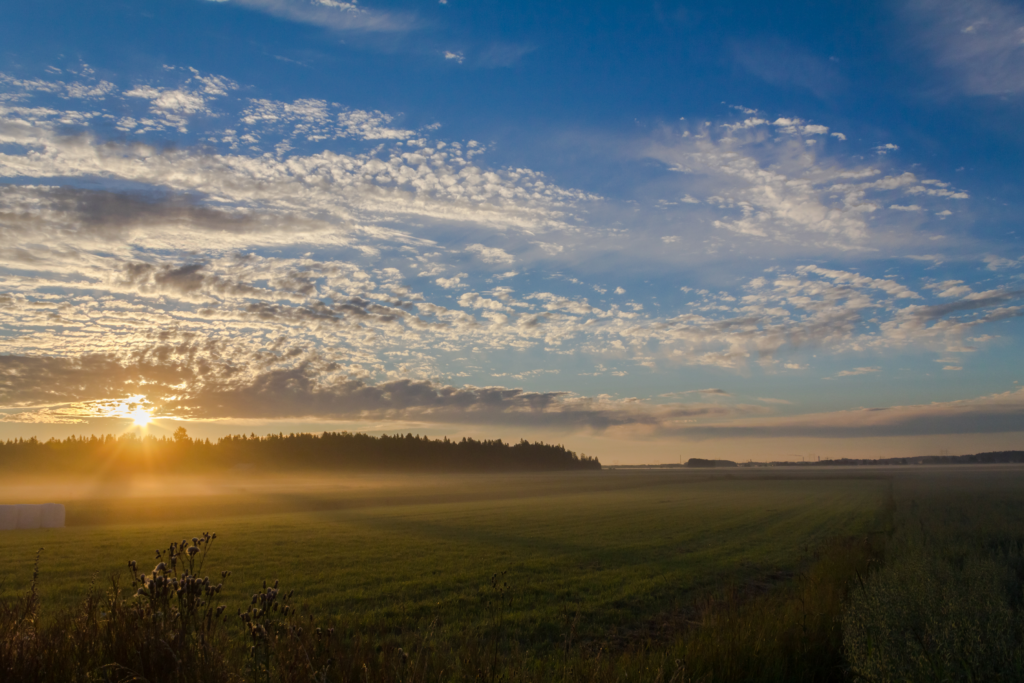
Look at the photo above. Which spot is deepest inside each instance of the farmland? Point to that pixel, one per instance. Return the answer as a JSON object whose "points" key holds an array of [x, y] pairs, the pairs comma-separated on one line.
{"points": [[618, 548], [769, 574]]}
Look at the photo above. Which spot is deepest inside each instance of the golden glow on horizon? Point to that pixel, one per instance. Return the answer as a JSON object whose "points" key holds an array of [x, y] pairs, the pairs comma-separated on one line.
{"points": [[140, 416]]}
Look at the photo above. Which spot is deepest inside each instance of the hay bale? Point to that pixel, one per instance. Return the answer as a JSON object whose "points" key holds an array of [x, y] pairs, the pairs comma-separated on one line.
{"points": [[8, 517], [52, 516], [30, 516]]}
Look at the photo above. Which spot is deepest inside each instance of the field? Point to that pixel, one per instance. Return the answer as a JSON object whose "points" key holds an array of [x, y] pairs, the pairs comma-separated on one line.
{"points": [[669, 576], [623, 550]]}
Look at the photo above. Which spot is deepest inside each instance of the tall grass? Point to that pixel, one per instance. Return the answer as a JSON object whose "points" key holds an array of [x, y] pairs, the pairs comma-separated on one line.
{"points": [[947, 604]]}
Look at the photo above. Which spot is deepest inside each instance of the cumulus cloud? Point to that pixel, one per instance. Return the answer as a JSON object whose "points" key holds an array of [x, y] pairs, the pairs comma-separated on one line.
{"points": [[950, 288], [778, 189], [493, 255]]}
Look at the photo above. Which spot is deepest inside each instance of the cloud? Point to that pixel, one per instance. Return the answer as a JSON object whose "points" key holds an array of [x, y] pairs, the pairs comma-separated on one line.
{"points": [[308, 392], [173, 107], [499, 55], [44, 381], [950, 288], [491, 255], [316, 121], [307, 234], [778, 189], [703, 392], [857, 371], [1001, 262], [176, 101], [87, 388], [995, 413], [435, 181], [456, 56], [978, 43], [779, 63], [451, 282], [86, 89], [332, 14]]}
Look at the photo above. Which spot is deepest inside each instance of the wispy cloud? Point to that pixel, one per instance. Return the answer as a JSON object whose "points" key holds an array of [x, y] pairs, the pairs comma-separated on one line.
{"points": [[504, 54], [980, 43], [995, 413], [857, 371], [331, 14], [780, 63], [702, 392]]}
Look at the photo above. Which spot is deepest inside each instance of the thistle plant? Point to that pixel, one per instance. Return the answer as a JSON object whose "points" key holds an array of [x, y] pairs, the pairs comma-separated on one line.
{"points": [[174, 599], [266, 617]]}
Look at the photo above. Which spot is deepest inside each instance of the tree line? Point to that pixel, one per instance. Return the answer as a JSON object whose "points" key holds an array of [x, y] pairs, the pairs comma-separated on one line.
{"points": [[989, 458], [130, 454]]}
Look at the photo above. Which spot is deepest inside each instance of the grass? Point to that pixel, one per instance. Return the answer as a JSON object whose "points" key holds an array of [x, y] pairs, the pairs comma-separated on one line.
{"points": [[888, 574], [947, 604], [618, 551]]}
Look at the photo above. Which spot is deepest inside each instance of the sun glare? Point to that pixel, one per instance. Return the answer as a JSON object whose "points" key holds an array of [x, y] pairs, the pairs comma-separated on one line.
{"points": [[140, 417]]}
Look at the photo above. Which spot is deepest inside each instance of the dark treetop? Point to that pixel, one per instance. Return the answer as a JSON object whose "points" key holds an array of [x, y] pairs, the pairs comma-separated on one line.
{"points": [[130, 454]]}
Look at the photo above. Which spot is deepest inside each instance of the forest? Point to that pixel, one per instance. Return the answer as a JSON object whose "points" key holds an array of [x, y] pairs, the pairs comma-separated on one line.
{"points": [[130, 454]]}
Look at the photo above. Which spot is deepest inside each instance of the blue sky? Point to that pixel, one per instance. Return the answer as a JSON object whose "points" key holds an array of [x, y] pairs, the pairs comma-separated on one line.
{"points": [[645, 230]]}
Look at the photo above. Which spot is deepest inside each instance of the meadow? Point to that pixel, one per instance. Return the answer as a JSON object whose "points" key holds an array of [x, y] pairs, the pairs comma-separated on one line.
{"points": [[768, 574], [621, 549]]}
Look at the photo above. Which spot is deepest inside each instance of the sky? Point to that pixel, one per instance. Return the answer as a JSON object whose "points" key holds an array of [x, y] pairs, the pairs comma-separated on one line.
{"points": [[646, 230]]}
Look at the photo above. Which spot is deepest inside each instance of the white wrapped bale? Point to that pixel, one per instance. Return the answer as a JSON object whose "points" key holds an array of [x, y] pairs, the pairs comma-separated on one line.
{"points": [[30, 516], [8, 517], [52, 516]]}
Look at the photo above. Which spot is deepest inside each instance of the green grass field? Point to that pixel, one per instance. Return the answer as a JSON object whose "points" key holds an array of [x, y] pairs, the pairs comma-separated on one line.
{"points": [[622, 549]]}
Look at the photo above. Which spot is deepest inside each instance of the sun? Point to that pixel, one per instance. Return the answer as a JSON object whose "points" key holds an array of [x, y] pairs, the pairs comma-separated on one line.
{"points": [[140, 416]]}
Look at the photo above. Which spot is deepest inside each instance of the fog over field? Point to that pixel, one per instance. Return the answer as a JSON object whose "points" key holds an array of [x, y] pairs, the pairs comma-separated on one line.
{"points": [[615, 544]]}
